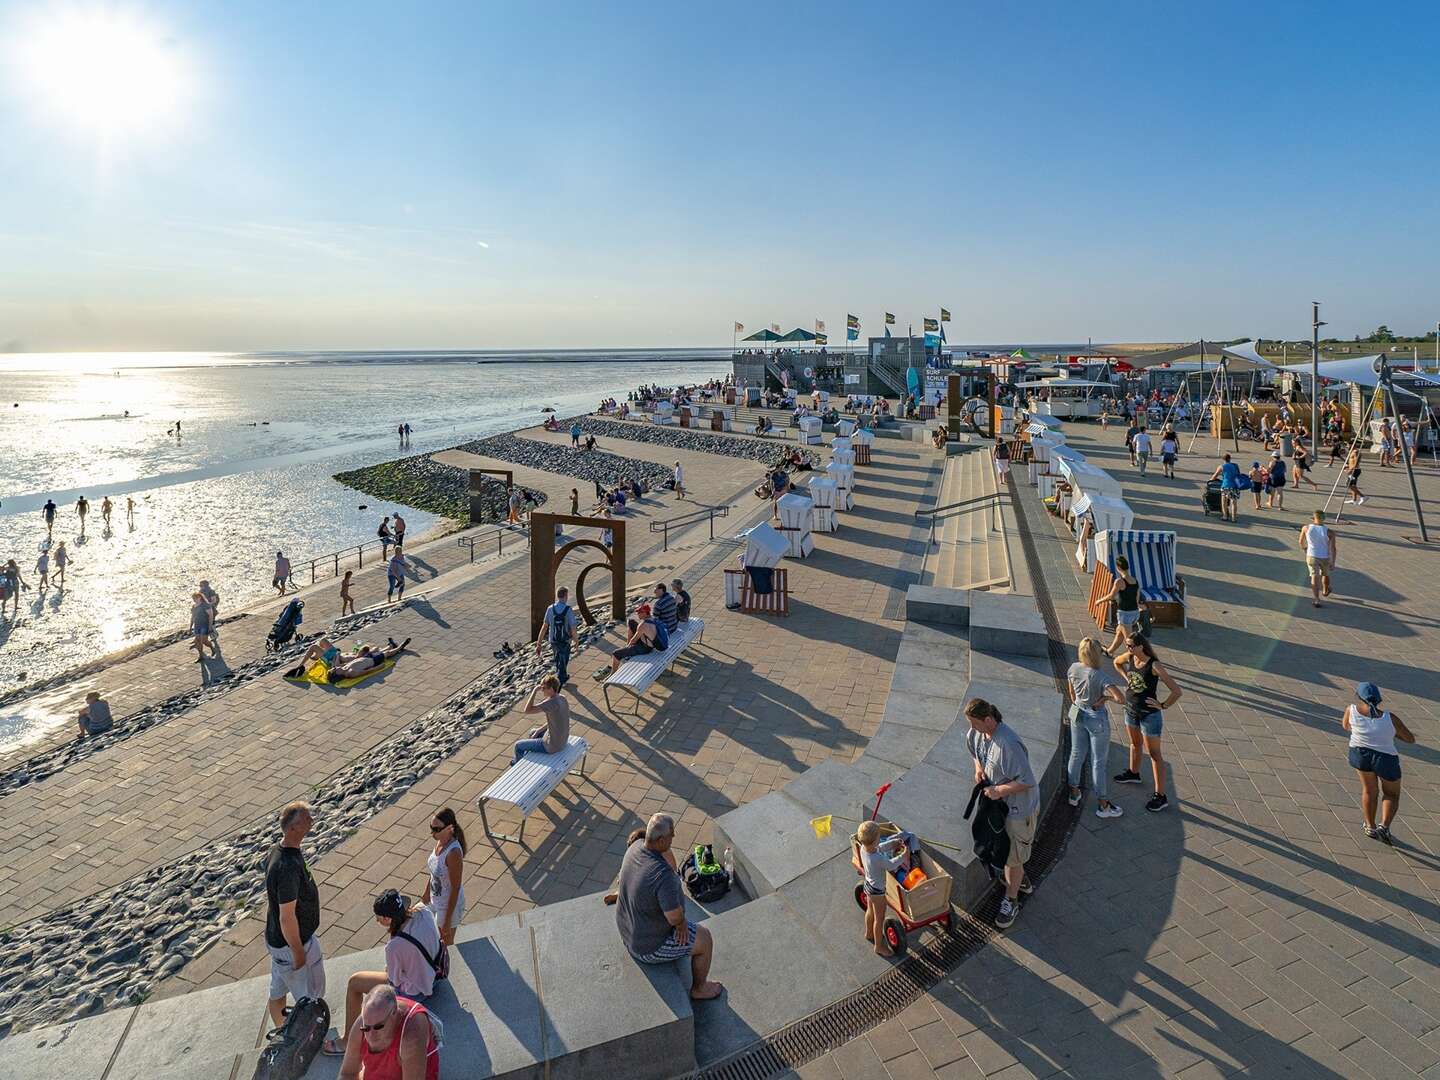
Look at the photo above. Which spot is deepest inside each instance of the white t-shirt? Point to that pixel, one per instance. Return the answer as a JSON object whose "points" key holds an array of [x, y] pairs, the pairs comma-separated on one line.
{"points": [[1317, 541], [1142, 443], [1372, 732], [679, 474], [408, 971]]}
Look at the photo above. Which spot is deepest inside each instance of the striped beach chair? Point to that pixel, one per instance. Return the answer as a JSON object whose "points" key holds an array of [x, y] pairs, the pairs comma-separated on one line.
{"points": [[1152, 560]]}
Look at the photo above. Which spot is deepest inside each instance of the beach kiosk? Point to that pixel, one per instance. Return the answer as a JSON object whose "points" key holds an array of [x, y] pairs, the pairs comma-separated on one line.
{"points": [[809, 430], [844, 477], [822, 498], [761, 585], [797, 517], [862, 441], [664, 413]]}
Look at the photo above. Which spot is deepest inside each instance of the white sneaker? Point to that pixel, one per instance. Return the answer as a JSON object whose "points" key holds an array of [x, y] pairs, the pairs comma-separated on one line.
{"points": [[1362, 500], [1074, 798], [1108, 811]]}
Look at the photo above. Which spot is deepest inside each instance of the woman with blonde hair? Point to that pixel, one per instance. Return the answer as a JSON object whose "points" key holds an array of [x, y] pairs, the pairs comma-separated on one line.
{"points": [[1089, 686]]}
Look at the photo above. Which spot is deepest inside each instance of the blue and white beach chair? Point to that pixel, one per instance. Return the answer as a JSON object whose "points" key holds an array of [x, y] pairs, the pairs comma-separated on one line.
{"points": [[1152, 561]]}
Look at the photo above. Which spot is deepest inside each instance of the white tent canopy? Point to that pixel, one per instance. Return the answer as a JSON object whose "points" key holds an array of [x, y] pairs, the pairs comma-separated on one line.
{"points": [[1211, 350], [1090, 479], [1361, 371]]}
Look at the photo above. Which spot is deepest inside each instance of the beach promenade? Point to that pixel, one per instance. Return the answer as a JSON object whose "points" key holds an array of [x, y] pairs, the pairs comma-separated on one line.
{"points": [[1251, 929]]}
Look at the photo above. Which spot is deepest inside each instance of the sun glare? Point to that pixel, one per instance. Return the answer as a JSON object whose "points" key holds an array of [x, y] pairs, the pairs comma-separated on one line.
{"points": [[104, 71]]}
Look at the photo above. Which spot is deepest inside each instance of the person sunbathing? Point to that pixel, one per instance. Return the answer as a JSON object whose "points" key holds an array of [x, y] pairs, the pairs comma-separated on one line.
{"points": [[340, 665]]}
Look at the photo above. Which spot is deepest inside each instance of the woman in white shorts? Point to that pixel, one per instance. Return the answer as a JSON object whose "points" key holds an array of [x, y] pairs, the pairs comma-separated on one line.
{"points": [[444, 894]]}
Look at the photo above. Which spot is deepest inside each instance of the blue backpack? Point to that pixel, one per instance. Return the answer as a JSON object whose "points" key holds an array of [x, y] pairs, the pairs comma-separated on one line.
{"points": [[662, 636]]}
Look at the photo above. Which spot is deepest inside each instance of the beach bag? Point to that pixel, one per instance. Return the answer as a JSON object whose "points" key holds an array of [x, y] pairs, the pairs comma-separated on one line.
{"points": [[992, 842], [705, 880], [292, 1047], [440, 961]]}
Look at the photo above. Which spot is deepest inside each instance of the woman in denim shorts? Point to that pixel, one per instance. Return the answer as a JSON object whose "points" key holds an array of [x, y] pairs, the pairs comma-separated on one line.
{"points": [[1144, 713], [1373, 731], [1126, 598]]}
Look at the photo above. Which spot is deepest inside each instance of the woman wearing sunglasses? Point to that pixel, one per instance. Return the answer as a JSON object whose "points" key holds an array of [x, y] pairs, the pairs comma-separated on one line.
{"points": [[444, 895]]}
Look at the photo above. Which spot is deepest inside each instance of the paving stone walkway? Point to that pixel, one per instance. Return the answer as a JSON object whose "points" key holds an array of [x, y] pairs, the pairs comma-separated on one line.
{"points": [[1251, 929]]}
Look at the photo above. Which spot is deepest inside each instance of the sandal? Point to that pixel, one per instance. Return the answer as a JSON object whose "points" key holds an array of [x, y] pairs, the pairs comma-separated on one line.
{"points": [[332, 1047]]}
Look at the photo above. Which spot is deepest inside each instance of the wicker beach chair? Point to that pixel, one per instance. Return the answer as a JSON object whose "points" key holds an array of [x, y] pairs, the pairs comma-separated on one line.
{"points": [[1152, 560]]}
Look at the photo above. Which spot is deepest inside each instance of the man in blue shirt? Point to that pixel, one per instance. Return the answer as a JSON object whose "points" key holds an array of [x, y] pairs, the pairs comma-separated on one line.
{"points": [[1228, 473]]}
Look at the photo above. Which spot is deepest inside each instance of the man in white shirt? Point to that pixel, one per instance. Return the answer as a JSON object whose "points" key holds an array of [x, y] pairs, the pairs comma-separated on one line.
{"points": [[679, 481], [1142, 449], [1318, 542]]}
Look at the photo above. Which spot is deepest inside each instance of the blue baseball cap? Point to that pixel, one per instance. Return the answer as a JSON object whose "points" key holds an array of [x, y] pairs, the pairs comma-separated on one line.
{"points": [[1368, 692]]}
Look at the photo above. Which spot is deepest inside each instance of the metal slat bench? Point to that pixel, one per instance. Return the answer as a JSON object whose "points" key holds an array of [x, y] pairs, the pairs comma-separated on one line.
{"points": [[527, 783], [639, 673]]}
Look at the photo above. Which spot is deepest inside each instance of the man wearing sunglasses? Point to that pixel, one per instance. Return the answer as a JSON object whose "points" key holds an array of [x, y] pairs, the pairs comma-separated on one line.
{"points": [[394, 1039]]}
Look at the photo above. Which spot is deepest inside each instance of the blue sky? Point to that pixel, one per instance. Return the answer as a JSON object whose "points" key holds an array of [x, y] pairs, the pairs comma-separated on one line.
{"points": [[381, 175]]}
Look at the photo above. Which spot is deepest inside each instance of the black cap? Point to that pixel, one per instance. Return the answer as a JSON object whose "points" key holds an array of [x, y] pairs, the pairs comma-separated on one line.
{"points": [[391, 905]]}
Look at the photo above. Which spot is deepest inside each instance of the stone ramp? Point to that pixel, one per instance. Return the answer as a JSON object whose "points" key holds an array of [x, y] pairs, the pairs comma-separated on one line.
{"points": [[522, 1001]]}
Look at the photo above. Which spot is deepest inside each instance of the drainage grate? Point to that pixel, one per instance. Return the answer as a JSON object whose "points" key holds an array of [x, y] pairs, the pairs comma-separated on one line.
{"points": [[925, 965]]}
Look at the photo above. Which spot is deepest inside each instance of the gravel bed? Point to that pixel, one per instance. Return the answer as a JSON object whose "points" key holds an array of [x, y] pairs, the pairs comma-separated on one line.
{"points": [[425, 484], [682, 438], [595, 466]]}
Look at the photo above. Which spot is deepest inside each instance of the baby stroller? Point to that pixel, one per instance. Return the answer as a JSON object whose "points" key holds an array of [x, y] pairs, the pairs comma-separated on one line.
{"points": [[1210, 501], [283, 632]]}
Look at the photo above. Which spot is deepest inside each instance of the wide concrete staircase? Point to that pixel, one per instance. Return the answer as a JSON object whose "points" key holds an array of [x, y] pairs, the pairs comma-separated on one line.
{"points": [[969, 549]]}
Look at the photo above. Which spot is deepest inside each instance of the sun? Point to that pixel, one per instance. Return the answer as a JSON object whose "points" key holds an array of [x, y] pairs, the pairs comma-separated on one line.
{"points": [[102, 70]]}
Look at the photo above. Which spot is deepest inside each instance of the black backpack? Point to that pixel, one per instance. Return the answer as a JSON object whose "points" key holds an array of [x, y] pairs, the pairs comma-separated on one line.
{"points": [[705, 880], [292, 1047], [992, 842]]}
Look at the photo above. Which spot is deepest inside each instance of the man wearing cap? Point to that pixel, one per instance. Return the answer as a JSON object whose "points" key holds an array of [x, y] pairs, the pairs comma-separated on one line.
{"points": [[650, 910], [411, 955], [292, 916], [1373, 756], [645, 638], [1277, 482]]}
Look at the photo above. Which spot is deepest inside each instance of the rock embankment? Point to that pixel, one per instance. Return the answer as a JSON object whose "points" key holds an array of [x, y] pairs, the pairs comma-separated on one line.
{"points": [[595, 466], [425, 484], [682, 438], [110, 949]]}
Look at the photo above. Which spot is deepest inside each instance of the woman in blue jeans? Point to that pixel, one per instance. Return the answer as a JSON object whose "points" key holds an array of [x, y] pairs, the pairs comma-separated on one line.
{"points": [[1090, 724]]}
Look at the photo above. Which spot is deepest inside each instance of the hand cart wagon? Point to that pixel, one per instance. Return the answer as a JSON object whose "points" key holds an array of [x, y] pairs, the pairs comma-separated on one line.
{"points": [[909, 909]]}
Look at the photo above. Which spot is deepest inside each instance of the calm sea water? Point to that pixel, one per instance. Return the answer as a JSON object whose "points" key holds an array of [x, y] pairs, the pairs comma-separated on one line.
{"points": [[250, 473]]}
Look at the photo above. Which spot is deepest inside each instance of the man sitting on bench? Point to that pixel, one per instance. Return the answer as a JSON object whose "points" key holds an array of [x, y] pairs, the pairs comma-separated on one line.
{"points": [[647, 637], [551, 738]]}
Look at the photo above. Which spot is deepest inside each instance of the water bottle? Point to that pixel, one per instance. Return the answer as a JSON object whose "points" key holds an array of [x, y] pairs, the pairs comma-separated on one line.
{"points": [[730, 863]]}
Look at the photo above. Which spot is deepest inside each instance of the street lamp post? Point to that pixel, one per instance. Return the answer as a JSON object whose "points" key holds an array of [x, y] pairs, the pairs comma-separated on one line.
{"points": [[1315, 325]]}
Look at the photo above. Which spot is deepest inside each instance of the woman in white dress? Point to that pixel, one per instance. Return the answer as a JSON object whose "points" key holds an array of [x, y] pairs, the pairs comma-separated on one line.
{"points": [[444, 893]]}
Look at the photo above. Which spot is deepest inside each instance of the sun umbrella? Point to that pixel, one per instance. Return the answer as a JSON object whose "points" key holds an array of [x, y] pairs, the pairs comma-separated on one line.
{"points": [[547, 408], [798, 335], [764, 335]]}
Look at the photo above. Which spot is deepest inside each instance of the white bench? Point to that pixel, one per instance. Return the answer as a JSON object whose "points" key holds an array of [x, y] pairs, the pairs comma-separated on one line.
{"points": [[527, 783], [639, 673]]}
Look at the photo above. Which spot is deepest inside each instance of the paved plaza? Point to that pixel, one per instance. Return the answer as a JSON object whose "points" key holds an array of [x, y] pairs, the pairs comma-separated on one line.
{"points": [[1251, 929]]}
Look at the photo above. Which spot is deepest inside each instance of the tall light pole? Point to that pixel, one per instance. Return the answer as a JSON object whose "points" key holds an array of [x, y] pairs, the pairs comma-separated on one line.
{"points": [[1315, 325]]}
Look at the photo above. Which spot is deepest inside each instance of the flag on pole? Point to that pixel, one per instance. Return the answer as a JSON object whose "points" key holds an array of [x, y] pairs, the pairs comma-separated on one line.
{"points": [[942, 333], [819, 326], [932, 341], [851, 334], [889, 319], [852, 322], [944, 315], [931, 325], [775, 327], [739, 328], [821, 825], [887, 331]]}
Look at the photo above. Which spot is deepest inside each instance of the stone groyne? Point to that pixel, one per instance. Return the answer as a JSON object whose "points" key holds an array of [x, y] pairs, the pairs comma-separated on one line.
{"points": [[425, 484], [682, 439], [595, 466]]}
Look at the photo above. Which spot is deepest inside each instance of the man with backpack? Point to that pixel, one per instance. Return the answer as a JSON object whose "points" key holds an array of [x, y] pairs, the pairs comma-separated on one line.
{"points": [[559, 628]]}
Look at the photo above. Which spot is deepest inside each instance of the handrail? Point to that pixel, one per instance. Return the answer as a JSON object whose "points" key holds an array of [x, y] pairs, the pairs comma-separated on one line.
{"points": [[710, 513], [476, 538], [967, 504]]}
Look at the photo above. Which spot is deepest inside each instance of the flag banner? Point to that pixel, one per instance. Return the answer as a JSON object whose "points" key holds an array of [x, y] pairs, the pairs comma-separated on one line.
{"points": [[852, 321], [942, 333], [739, 328], [852, 334], [931, 325], [821, 825], [887, 331], [889, 319], [819, 326], [944, 314], [932, 341], [822, 339], [775, 327]]}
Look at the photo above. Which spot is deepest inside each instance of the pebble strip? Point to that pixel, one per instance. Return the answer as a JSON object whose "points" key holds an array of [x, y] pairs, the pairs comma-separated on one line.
{"points": [[427, 485], [49, 762], [682, 438], [110, 949], [590, 465]]}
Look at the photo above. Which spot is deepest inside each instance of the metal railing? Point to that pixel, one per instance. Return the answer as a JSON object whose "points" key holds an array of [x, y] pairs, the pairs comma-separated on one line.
{"points": [[333, 558], [474, 540], [710, 513], [964, 506]]}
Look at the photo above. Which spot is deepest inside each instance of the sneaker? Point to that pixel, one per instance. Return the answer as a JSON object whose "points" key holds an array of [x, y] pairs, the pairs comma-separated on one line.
{"points": [[1026, 887], [1129, 776], [1074, 798], [1381, 833], [1157, 802], [1108, 811], [1372, 832], [1005, 917]]}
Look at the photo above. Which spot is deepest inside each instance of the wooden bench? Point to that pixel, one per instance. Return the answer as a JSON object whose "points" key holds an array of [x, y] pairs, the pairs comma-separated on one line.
{"points": [[638, 674], [527, 783]]}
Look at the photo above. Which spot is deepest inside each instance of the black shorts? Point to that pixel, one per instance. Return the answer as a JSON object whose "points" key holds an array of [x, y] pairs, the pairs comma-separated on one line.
{"points": [[1354, 475], [638, 649]]}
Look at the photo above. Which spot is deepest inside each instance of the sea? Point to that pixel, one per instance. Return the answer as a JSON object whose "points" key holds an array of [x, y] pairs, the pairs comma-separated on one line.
{"points": [[249, 472]]}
